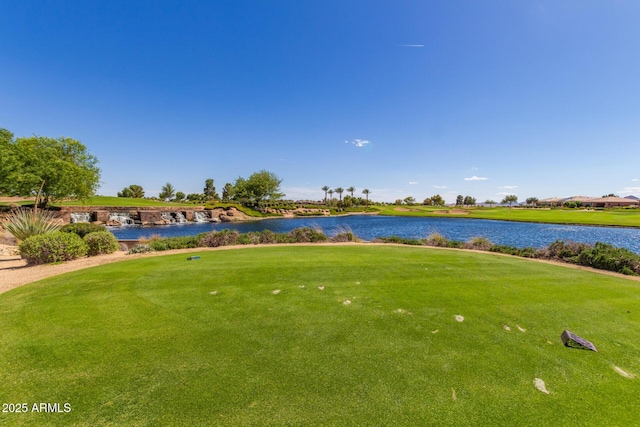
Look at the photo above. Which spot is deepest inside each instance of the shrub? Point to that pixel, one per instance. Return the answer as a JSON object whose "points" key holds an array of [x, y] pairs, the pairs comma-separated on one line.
{"points": [[343, 234], [140, 249], [219, 238], [511, 250], [456, 244], [609, 257], [560, 250], [82, 228], [398, 239], [180, 242], [24, 223], [268, 236], [478, 243], [250, 238], [100, 242], [52, 247], [306, 235], [436, 239]]}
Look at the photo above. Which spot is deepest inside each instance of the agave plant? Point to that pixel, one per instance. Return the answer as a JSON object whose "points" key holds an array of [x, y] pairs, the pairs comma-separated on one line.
{"points": [[23, 223]]}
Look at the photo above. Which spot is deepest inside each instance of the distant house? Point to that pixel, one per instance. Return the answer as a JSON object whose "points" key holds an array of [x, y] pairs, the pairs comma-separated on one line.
{"points": [[594, 202]]}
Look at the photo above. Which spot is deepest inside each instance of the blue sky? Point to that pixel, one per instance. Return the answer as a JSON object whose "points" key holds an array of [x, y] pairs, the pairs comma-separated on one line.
{"points": [[405, 98]]}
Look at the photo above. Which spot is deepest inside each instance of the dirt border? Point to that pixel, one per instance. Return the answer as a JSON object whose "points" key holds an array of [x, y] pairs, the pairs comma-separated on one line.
{"points": [[15, 273]]}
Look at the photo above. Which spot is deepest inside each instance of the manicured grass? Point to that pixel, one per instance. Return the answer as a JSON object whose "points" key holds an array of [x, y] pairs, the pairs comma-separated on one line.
{"points": [[144, 342], [117, 202], [609, 217]]}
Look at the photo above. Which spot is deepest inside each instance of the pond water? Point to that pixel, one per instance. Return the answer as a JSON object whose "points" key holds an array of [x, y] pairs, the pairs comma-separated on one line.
{"points": [[519, 234]]}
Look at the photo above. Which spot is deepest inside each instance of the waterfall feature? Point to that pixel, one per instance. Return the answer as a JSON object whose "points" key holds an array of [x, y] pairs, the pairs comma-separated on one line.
{"points": [[168, 217], [180, 219], [124, 218], [80, 217], [200, 216]]}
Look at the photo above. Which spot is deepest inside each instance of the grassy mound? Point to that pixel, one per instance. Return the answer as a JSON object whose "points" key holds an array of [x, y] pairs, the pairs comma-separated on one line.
{"points": [[322, 335]]}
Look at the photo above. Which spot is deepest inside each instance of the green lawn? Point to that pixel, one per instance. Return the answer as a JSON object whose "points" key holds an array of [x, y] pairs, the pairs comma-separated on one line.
{"points": [[610, 217], [145, 342], [117, 202]]}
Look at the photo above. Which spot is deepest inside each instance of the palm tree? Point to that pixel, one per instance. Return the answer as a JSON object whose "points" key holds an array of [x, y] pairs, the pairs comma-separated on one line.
{"points": [[325, 189], [351, 190], [168, 192], [366, 192], [339, 190], [330, 194]]}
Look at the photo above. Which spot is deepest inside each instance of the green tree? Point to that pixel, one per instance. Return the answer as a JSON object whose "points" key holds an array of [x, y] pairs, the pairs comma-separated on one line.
{"points": [[511, 198], [227, 192], [459, 200], [210, 190], [437, 200], [262, 185], [134, 191], [330, 195], [532, 201], [427, 201], [168, 192], [351, 190], [46, 168], [469, 201], [490, 202], [339, 191], [366, 192], [180, 196], [325, 189], [409, 201]]}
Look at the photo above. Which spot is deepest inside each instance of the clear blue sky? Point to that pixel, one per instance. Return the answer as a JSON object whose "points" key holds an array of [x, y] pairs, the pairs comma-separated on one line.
{"points": [[405, 98]]}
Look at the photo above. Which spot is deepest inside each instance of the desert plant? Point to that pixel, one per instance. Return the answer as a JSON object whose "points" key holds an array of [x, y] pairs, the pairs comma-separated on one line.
{"points": [[23, 223], [219, 238], [178, 242], [140, 249], [343, 234], [306, 235], [566, 251], [478, 243], [82, 228], [609, 257], [52, 247], [100, 242], [436, 239]]}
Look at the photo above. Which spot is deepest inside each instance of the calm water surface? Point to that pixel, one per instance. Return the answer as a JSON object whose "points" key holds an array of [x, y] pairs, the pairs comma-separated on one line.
{"points": [[520, 234]]}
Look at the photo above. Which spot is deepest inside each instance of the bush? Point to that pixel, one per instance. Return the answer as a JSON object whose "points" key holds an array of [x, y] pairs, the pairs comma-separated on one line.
{"points": [[140, 249], [436, 239], [24, 223], [608, 257], [511, 250], [250, 238], [82, 228], [560, 250], [268, 236], [181, 242], [100, 242], [478, 243], [399, 240], [52, 247], [306, 235], [219, 238]]}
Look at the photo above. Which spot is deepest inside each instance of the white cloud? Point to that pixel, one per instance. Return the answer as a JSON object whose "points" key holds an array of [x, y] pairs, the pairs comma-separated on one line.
{"points": [[509, 187], [476, 178], [630, 190], [358, 142], [440, 186], [413, 182], [635, 180]]}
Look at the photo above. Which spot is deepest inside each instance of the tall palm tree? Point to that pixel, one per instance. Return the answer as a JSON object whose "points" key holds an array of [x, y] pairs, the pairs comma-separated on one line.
{"points": [[339, 190], [366, 192], [351, 190], [330, 193], [325, 189]]}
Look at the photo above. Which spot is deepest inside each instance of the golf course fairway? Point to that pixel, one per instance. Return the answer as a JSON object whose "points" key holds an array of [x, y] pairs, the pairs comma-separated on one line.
{"points": [[321, 335]]}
